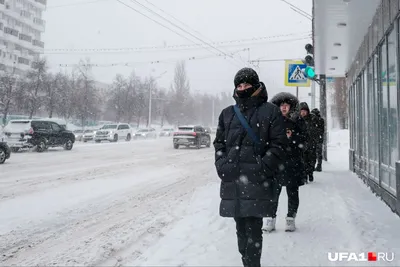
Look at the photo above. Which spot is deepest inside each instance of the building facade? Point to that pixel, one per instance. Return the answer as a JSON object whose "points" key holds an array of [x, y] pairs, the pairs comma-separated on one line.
{"points": [[21, 27], [372, 72]]}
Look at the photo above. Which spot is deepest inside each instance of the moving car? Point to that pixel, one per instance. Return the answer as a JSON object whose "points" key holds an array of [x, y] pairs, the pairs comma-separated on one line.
{"points": [[113, 132], [5, 152], [166, 132], [88, 135], [146, 133], [41, 134], [191, 136]]}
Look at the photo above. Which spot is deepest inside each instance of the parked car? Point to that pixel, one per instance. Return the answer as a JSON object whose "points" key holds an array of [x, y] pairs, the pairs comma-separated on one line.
{"points": [[191, 136], [113, 132], [166, 132], [146, 134], [41, 134], [5, 152]]}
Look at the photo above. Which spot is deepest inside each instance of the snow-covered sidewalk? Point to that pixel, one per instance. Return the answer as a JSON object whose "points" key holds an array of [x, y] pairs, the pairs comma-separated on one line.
{"points": [[337, 213]]}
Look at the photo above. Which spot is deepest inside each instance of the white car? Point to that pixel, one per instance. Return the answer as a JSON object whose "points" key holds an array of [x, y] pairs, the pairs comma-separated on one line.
{"points": [[88, 135], [146, 134], [113, 133]]}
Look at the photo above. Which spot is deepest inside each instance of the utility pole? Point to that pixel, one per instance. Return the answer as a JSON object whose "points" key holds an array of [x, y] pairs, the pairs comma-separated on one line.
{"points": [[323, 111], [312, 94], [150, 93], [213, 112]]}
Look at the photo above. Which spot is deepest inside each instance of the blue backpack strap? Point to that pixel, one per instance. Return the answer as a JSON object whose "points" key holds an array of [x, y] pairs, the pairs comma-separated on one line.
{"points": [[245, 124]]}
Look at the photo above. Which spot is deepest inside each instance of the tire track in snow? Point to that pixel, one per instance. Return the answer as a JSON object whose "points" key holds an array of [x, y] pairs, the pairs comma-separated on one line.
{"points": [[125, 218]]}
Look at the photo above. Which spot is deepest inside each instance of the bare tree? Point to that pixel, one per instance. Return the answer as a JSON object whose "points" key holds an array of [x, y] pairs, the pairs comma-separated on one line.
{"points": [[181, 88], [340, 102], [118, 95], [66, 104], [86, 96], [52, 84], [131, 99], [34, 86], [8, 89]]}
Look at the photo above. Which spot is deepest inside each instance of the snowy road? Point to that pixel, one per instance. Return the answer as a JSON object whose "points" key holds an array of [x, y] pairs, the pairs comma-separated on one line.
{"points": [[146, 204], [96, 204]]}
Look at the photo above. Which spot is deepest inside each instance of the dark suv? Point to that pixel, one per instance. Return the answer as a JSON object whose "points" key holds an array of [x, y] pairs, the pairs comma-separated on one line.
{"points": [[5, 151], [191, 136], [41, 134]]}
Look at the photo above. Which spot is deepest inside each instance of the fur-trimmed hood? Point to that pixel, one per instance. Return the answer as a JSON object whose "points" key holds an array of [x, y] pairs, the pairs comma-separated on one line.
{"points": [[285, 97]]}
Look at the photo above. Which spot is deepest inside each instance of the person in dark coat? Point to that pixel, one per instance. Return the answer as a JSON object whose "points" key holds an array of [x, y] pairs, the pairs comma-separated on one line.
{"points": [[321, 132], [246, 167], [293, 175], [310, 155]]}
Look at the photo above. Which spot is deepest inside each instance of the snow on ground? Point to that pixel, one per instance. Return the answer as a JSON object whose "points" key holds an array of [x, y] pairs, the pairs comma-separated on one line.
{"points": [[85, 206], [337, 213], [146, 204]]}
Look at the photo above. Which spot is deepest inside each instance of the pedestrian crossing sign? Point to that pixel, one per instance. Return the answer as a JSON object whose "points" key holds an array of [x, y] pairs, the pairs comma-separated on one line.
{"points": [[294, 74]]}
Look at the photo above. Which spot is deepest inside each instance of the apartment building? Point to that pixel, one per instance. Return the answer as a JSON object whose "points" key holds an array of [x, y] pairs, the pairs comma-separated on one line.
{"points": [[21, 27]]}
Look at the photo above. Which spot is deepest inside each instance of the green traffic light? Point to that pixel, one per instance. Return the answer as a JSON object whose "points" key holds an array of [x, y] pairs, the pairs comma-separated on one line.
{"points": [[310, 72]]}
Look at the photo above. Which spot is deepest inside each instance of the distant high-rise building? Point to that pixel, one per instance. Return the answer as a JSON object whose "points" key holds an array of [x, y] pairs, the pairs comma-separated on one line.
{"points": [[21, 26]]}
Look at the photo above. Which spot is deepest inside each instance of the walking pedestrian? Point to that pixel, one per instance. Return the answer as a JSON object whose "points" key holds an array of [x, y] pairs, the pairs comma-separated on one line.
{"points": [[293, 174], [249, 149]]}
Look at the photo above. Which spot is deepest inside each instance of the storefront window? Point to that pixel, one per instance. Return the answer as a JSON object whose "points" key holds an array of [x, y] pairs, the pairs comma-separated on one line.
{"points": [[365, 119], [392, 114], [384, 106], [371, 122], [394, 8], [376, 113]]}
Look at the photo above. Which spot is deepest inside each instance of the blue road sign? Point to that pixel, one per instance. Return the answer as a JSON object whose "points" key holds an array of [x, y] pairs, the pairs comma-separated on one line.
{"points": [[294, 74]]}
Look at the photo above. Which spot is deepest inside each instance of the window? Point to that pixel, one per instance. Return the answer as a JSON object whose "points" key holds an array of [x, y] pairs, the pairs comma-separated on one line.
{"points": [[371, 120], [376, 108], [392, 108], [56, 127], [365, 119], [384, 105]]}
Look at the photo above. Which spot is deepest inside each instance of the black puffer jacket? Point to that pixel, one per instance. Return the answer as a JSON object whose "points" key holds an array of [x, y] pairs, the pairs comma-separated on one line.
{"points": [[247, 179], [320, 125], [312, 126], [294, 172]]}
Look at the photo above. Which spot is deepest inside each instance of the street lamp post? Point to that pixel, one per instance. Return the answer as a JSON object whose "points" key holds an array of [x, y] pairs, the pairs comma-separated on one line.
{"points": [[150, 93]]}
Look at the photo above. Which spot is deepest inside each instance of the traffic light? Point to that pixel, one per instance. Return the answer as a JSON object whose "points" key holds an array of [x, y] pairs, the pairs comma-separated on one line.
{"points": [[309, 61]]}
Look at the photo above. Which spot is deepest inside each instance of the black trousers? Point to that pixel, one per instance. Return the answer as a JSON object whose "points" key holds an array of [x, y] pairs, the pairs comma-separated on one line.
{"points": [[249, 236], [293, 201], [310, 158], [319, 153]]}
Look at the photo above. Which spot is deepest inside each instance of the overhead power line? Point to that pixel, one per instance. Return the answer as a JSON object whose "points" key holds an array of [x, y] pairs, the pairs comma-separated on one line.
{"points": [[181, 22], [130, 64], [76, 4], [298, 9], [161, 48], [179, 27]]}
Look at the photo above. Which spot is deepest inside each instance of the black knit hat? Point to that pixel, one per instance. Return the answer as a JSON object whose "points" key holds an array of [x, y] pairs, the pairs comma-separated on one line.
{"points": [[246, 75]]}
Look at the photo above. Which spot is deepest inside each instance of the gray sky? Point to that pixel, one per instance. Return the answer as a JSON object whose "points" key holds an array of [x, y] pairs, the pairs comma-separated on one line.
{"points": [[109, 24]]}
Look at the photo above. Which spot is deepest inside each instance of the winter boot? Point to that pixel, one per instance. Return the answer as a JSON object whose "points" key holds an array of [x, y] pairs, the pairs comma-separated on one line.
{"points": [[290, 224], [318, 168], [311, 178], [269, 226]]}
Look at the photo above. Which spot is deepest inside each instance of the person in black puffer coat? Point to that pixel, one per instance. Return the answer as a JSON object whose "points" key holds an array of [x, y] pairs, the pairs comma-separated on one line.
{"points": [[293, 175], [310, 155], [247, 167], [320, 141]]}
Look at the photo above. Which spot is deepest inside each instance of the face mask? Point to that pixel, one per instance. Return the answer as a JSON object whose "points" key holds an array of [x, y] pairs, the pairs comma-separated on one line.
{"points": [[246, 93]]}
